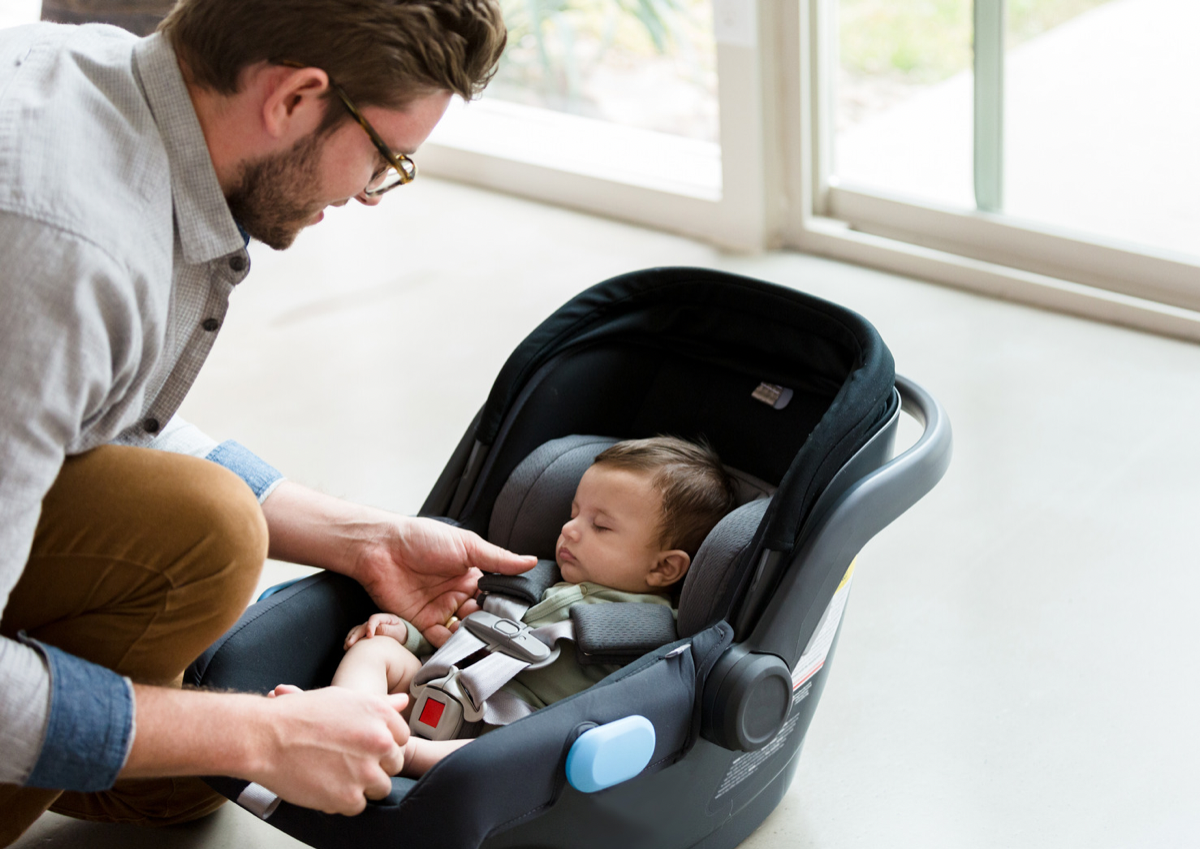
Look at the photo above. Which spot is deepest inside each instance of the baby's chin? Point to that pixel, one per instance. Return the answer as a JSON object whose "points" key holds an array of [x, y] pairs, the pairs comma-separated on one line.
{"points": [[570, 573]]}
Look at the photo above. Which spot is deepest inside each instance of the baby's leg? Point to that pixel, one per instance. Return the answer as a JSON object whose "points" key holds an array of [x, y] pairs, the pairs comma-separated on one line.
{"points": [[420, 754], [379, 664]]}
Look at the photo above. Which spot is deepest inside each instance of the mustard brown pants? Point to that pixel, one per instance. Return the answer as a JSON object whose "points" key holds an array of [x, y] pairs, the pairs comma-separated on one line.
{"points": [[141, 560]]}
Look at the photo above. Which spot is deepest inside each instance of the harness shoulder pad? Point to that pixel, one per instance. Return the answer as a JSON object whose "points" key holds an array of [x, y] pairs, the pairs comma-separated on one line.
{"points": [[527, 587], [620, 632]]}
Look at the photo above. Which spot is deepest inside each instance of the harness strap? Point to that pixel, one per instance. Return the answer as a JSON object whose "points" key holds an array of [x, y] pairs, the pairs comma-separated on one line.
{"points": [[503, 708], [505, 606], [554, 632], [484, 679], [488, 675], [461, 644]]}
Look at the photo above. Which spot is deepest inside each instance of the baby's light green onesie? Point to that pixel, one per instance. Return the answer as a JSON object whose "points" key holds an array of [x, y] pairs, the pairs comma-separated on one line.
{"points": [[566, 676]]}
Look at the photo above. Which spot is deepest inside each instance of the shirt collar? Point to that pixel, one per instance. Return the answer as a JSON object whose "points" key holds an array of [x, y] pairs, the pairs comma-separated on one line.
{"points": [[206, 227]]}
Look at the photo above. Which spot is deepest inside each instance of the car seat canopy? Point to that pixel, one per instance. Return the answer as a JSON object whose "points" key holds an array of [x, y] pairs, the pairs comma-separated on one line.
{"points": [[682, 352]]}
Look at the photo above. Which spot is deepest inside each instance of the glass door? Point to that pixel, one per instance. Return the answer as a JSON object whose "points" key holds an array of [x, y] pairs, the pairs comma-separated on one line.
{"points": [[1050, 137]]}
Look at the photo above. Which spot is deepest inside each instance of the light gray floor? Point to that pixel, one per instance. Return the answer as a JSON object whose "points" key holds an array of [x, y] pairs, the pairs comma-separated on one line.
{"points": [[1018, 661]]}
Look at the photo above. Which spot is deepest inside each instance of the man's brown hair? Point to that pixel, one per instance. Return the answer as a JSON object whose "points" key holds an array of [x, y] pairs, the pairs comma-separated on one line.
{"points": [[381, 52], [695, 488]]}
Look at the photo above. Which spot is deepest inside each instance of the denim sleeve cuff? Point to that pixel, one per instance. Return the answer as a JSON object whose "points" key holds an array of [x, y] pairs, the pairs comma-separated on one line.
{"points": [[90, 729], [256, 472], [415, 642]]}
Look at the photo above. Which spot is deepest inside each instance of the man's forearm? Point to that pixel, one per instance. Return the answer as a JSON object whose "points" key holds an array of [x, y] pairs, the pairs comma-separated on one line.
{"points": [[194, 733], [418, 568], [329, 749], [310, 528]]}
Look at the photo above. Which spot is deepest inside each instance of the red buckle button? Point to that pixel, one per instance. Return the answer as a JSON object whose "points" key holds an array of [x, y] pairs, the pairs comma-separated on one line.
{"points": [[432, 713]]}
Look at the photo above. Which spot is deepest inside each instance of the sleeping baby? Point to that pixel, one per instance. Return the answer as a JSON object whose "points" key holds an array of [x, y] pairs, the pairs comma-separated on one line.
{"points": [[640, 512]]}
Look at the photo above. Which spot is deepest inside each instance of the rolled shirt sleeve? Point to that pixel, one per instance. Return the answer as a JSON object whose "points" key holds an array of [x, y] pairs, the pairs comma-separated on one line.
{"points": [[90, 726], [183, 437]]}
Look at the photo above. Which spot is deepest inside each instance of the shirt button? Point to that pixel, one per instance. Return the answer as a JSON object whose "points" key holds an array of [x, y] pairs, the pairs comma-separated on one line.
{"points": [[151, 425], [237, 262], [210, 325]]}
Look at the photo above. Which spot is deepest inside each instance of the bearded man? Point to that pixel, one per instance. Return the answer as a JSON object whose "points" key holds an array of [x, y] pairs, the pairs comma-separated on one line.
{"points": [[133, 173]]}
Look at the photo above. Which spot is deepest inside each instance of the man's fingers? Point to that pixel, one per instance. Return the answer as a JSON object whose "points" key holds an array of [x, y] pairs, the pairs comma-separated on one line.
{"points": [[467, 609], [393, 762], [492, 559], [436, 635], [395, 721], [380, 783]]}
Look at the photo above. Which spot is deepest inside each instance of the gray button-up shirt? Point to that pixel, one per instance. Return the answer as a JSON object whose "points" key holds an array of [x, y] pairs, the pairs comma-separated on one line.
{"points": [[118, 254]]}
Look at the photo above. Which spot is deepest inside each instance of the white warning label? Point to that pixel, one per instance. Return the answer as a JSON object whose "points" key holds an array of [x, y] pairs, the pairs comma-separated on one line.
{"points": [[812, 660], [813, 657], [745, 765]]}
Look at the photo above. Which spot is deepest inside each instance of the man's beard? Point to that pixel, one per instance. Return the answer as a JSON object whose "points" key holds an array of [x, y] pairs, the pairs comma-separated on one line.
{"points": [[277, 195]]}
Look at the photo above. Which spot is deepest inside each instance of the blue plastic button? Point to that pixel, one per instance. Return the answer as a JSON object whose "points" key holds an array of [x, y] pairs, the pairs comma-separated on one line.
{"points": [[610, 754]]}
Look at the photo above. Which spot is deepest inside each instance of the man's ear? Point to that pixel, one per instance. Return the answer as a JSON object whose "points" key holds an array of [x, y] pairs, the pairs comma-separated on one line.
{"points": [[670, 567], [294, 102]]}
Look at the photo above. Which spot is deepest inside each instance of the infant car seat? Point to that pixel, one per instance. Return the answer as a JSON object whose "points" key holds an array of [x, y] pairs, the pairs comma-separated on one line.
{"points": [[799, 398]]}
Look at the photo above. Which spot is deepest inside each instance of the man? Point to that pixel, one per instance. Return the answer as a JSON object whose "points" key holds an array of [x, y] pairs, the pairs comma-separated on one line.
{"points": [[132, 174]]}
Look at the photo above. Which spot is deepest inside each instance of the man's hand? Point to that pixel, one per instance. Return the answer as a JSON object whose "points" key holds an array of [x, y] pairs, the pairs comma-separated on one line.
{"points": [[334, 749], [423, 570], [427, 571], [330, 749]]}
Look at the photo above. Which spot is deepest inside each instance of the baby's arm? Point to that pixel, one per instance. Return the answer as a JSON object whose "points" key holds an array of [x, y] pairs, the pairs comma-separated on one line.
{"points": [[376, 660], [420, 754]]}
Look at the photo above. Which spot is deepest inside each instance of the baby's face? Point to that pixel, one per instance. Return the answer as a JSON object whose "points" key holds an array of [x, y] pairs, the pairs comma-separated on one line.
{"points": [[612, 536]]}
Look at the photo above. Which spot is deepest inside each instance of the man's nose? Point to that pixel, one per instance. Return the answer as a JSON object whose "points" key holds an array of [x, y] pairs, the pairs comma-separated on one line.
{"points": [[367, 200]]}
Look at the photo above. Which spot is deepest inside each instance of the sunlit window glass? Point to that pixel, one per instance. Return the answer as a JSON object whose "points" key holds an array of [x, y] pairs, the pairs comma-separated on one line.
{"points": [[649, 64]]}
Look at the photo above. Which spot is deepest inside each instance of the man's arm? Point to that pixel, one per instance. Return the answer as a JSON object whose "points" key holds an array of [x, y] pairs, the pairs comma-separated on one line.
{"points": [[421, 569], [330, 749], [69, 342]]}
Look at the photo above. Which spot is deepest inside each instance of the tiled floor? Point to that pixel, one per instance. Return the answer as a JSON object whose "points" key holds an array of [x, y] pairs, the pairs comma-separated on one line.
{"points": [[1018, 662]]}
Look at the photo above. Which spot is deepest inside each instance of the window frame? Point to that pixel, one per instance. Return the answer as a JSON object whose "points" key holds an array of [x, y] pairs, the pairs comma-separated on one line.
{"points": [[992, 253], [739, 218], [779, 189]]}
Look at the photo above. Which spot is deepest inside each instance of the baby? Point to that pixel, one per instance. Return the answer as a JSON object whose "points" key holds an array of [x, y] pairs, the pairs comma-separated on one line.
{"points": [[641, 511]]}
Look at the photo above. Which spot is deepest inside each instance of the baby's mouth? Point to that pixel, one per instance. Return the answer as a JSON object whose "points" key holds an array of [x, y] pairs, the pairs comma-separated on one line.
{"points": [[564, 554]]}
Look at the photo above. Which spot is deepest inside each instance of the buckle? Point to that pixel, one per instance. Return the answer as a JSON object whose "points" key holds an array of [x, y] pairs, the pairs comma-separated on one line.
{"points": [[508, 636], [443, 709]]}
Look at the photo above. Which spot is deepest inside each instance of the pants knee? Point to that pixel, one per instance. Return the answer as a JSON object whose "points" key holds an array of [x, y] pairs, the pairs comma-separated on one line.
{"points": [[231, 531]]}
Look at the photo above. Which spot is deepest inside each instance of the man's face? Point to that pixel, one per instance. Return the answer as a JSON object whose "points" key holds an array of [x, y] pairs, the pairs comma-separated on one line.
{"points": [[282, 193]]}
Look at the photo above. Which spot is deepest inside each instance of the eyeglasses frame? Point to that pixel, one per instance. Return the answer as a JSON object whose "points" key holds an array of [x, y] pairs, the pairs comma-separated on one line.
{"points": [[402, 163]]}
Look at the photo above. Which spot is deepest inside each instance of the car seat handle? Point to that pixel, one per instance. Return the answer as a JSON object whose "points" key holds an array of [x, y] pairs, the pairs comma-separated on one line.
{"points": [[866, 507]]}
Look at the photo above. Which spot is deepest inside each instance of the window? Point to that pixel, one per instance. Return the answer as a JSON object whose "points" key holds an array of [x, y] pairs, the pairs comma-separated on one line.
{"points": [[1038, 149], [649, 110]]}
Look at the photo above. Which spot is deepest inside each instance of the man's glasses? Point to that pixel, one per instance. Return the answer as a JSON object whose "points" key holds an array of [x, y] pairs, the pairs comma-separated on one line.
{"points": [[400, 169]]}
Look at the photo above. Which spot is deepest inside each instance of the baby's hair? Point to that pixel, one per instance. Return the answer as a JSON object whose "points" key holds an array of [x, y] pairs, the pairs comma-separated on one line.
{"points": [[695, 488]]}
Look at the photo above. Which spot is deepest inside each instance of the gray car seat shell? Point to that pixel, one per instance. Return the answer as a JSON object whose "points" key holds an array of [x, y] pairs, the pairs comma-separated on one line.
{"points": [[679, 351]]}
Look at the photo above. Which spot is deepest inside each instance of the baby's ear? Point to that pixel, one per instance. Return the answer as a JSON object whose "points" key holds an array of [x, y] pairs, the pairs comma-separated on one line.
{"points": [[669, 568]]}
